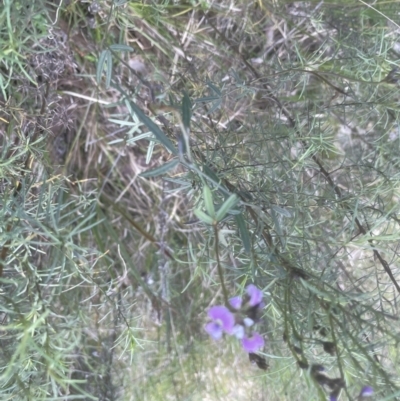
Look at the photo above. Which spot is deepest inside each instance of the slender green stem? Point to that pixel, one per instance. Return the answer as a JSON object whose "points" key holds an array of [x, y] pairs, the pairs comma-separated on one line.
{"points": [[220, 272]]}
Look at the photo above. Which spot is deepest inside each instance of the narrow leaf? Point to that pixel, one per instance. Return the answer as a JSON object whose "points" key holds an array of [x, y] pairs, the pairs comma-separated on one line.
{"points": [[213, 88], [208, 201], [109, 69], [186, 110], [210, 173], [153, 127], [122, 122], [161, 169], [244, 233], [100, 65], [214, 106], [278, 227], [203, 217], [141, 136], [150, 151], [207, 99], [226, 206], [121, 47], [282, 211]]}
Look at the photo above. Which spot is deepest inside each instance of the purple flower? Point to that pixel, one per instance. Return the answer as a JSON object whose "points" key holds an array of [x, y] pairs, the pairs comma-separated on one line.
{"points": [[255, 295], [253, 344], [332, 397], [366, 391], [222, 321], [236, 302]]}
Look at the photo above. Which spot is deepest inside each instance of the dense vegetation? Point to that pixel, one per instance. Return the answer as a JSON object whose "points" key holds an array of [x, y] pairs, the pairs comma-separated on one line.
{"points": [[158, 157]]}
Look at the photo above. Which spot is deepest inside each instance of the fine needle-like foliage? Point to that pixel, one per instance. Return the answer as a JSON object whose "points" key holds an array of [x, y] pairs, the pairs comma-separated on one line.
{"points": [[199, 200]]}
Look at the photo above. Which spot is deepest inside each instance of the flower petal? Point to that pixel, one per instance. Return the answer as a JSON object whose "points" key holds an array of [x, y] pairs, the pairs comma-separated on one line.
{"points": [[214, 330], [222, 315], [236, 302], [255, 295], [367, 391], [254, 343], [238, 331]]}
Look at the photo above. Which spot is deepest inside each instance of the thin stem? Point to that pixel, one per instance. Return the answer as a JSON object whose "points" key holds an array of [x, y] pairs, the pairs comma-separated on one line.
{"points": [[220, 272]]}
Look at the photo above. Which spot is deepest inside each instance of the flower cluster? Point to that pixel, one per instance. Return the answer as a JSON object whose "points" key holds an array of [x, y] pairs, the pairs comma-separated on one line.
{"points": [[238, 320]]}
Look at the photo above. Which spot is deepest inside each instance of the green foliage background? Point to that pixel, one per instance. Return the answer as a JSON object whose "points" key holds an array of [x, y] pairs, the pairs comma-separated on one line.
{"points": [[158, 156]]}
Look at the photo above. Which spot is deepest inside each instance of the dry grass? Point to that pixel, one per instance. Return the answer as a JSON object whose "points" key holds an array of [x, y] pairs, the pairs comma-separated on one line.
{"points": [[288, 112]]}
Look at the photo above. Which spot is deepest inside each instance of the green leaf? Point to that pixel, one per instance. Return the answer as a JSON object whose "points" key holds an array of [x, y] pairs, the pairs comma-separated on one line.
{"points": [[147, 135], [186, 110], [226, 206], [161, 169], [210, 173], [122, 122], [100, 66], [278, 227], [149, 152], [203, 217], [153, 127], [282, 211], [121, 47], [109, 69], [244, 233], [214, 106], [214, 88], [207, 99], [208, 201], [104, 59]]}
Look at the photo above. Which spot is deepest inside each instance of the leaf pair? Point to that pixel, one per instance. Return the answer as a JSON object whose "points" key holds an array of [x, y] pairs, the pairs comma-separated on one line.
{"points": [[105, 62], [213, 217]]}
